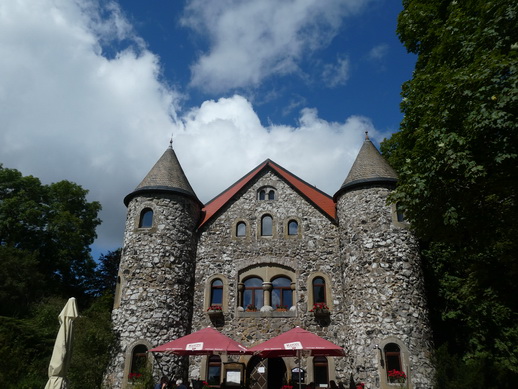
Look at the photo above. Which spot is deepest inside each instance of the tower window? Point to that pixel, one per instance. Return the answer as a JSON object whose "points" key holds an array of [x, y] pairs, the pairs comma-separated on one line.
{"points": [[253, 292], [293, 227], [138, 360], [392, 357], [400, 213], [216, 292], [146, 218], [282, 294], [271, 194], [319, 290], [241, 229], [262, 194], [266, 225]]}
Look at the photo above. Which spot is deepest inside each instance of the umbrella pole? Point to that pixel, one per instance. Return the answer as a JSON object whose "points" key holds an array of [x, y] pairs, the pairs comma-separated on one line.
{"points": [[159, 365], [299, 353]]}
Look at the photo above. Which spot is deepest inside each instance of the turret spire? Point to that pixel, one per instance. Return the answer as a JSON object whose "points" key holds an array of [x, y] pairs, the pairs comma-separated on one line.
{"points": [[166, 176], [369, 167]]}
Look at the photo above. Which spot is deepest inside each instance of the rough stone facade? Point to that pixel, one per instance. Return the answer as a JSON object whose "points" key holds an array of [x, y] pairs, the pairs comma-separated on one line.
{"points": [[384, 289], [156, 280], [369, 262]]}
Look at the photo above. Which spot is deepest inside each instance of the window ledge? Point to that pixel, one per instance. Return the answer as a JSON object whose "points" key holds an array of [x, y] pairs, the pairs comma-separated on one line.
{"points": [[272, 314]]}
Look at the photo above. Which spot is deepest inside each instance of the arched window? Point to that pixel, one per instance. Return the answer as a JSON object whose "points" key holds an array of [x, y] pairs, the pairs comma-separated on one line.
{"points": [[320, 370], [392, 357], [146, 218], [266, 225], [282, 294], [216, 292], [138, 361], [319, 290], [297, 375], [400, 213], [214, 370], [253, 293], [293, 227], [266, 193], [241, 229]]}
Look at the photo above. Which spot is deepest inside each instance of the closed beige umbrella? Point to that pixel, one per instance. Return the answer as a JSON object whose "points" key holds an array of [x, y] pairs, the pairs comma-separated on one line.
{"points": [[62, 347]]}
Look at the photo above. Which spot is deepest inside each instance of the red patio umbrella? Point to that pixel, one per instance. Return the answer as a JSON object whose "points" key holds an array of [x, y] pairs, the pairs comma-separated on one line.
{"points": [[292, 342], [296, 343], [203, 342]]}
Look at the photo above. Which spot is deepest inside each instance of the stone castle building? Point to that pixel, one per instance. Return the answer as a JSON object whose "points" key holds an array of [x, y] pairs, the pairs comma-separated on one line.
{"points": [[275, 243]]}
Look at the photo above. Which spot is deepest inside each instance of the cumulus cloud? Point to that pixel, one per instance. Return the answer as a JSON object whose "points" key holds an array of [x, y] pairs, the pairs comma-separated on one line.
{"points": [[71, 110], [226, 138], [67, 111], [252, 40]]}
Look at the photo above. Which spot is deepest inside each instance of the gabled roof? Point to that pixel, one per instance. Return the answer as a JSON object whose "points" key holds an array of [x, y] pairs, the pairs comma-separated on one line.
{"points": [[319, 199], [166, 176], [368, 168]]}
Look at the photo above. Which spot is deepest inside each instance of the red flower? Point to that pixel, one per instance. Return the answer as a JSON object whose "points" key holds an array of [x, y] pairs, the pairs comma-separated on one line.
{"points": [[396, 375], [319, 307]]}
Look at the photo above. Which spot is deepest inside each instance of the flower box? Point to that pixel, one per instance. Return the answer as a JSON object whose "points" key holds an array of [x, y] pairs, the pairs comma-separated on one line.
{"points": [[215, 311], [321, 312]]}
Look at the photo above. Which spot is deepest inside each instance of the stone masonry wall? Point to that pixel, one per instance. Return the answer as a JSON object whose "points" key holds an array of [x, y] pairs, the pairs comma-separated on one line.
{"points": [[316, 250], [157, 278], [383, 285]]}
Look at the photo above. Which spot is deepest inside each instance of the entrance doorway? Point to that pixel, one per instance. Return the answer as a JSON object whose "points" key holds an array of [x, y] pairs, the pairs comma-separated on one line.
{"points": [[276, 373], [266, 373]]}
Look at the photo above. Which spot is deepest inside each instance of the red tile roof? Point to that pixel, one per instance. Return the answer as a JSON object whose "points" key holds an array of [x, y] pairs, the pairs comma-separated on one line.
{"points": [[319, 199]]}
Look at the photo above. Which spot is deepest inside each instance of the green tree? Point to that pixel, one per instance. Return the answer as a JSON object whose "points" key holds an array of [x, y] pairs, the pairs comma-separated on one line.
{"points": [[93, 340], [105, 278], [457, 157], [45, 234]]}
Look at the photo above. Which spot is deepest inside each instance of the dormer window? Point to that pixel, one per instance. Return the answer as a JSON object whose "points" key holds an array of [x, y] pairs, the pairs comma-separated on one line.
{"points": [[267, 193]]}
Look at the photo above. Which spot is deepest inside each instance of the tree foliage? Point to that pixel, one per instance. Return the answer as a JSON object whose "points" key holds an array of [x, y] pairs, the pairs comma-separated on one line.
{"points": [[457, 157], [45, 234]]}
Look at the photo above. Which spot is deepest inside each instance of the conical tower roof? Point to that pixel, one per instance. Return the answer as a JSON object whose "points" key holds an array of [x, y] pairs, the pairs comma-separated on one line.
{"points": [[166, 176], [368, 168]]}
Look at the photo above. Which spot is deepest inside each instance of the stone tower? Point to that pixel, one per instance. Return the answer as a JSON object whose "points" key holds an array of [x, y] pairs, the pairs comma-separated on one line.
{"points": [[154, 296], [386, 324]]}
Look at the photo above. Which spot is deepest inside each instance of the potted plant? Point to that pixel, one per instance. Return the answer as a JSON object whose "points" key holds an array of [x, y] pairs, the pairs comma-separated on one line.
{"points": [[251, 308], [280, 307], [320, 309]]}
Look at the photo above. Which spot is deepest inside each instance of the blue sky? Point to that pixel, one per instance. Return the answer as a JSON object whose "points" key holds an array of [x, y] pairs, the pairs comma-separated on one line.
{"points": [[92, 91]]}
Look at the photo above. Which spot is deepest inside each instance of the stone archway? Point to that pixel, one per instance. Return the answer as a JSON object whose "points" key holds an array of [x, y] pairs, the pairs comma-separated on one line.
{"points": [[276, 373]]}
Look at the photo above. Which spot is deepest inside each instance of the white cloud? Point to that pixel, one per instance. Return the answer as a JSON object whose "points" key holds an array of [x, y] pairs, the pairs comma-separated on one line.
{"points": [[68, 112], [378, 52], [336, 74], [251, 40], [226, 138]]}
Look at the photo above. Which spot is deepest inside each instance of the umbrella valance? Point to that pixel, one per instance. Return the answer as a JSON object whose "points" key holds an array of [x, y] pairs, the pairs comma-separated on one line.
{"points": [[294, 343], [203, 342]]}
